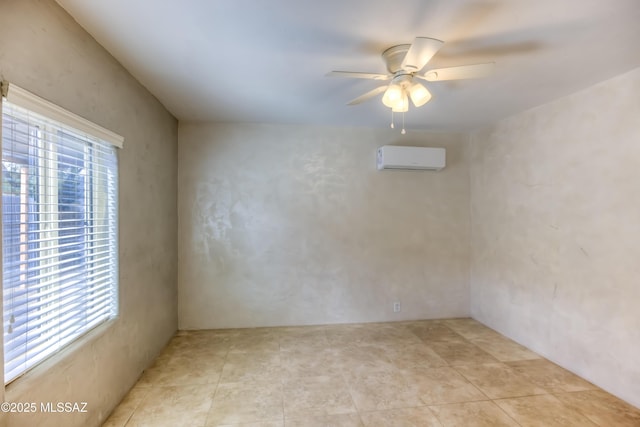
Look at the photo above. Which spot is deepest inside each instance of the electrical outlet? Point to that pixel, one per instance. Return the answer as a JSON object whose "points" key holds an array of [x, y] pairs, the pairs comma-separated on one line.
{"points": [[396, 307]]}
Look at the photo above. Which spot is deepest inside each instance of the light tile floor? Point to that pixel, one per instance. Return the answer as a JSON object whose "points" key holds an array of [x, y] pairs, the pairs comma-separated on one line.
{"points": [[443, 373]]}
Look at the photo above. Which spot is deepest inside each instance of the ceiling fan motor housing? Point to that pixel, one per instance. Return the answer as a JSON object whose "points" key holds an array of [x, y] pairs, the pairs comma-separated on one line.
{"points": [[394, 56]]}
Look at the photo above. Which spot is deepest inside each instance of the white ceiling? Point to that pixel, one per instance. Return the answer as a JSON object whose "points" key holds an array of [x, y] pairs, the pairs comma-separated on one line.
{"points": [[265, 61]]}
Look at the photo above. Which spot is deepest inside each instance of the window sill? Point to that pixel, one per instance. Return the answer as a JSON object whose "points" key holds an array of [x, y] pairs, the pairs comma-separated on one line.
{"points": [[61, 361]]}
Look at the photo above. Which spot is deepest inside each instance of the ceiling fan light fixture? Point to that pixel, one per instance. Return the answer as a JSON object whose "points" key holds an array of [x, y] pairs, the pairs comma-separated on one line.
{"points": [[392, 95], [419, 94]]}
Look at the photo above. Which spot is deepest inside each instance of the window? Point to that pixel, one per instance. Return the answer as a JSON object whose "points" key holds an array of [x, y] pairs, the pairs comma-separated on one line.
{"points": [[59, 232]]}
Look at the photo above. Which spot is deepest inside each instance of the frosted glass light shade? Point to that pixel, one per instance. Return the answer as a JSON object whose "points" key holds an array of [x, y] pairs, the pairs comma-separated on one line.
{"points": [[402, 105], [419, 94], [392, 95]]}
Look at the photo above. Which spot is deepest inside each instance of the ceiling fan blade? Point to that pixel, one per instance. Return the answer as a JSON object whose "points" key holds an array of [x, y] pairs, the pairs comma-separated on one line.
{"points": [[357, 75], [367, 96], [457, 73], [421, 51]]}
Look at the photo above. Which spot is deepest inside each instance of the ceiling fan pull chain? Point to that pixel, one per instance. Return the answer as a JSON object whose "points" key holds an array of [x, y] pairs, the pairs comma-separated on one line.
{"points": [[392, 125], [403, 131]]}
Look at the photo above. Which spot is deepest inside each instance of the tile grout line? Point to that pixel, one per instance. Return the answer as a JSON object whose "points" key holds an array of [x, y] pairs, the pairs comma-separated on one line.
{"points": [[135, 407], [282, 380], [206, 419], [346, 383], [505, 412]]}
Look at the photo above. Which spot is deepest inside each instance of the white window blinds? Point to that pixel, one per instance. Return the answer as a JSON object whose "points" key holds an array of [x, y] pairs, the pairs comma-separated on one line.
{"points": [[59, 233]]}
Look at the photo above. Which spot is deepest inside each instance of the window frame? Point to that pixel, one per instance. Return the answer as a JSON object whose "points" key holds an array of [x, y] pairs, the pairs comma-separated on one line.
{"points": [[87, 133]]}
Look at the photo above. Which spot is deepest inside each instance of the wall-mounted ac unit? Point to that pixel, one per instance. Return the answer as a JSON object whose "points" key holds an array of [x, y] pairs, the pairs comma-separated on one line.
{"points": [[421, 158]]}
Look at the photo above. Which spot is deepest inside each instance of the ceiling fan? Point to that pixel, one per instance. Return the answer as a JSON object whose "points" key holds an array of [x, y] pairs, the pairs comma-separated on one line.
{"points": [[405, 63]]}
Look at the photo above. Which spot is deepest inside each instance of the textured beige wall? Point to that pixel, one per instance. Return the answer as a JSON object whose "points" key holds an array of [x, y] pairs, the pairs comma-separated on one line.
{"points": [[43, 50], [556, 232], [292, 225]]}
